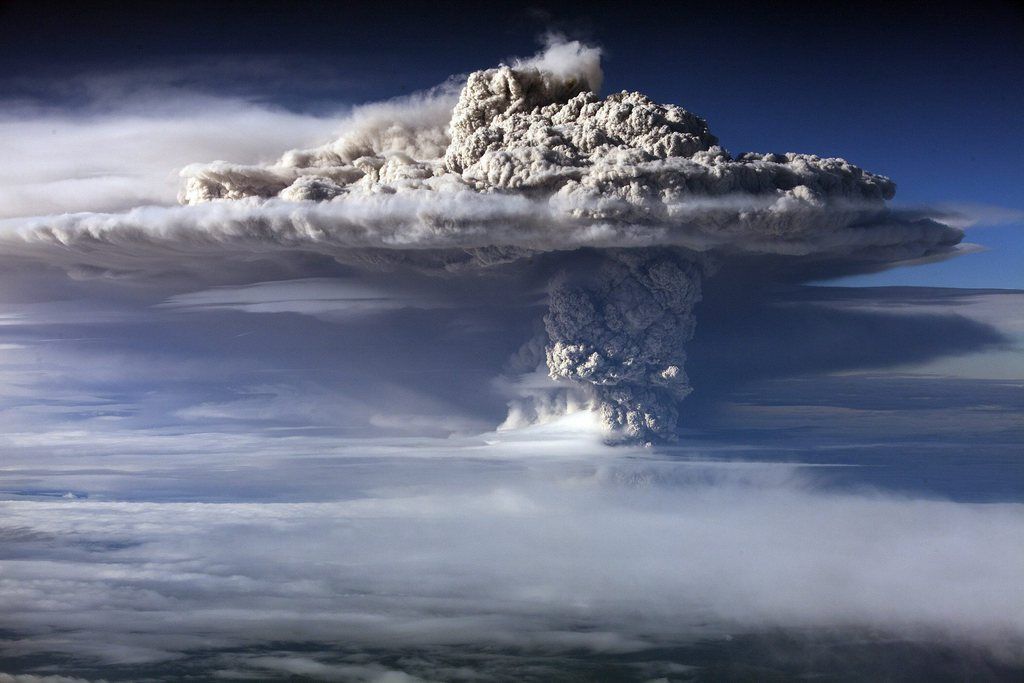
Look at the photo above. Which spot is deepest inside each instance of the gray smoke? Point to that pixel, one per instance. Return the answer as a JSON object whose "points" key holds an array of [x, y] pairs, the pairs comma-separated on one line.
{"points": [[623, 332], [526, 159]]}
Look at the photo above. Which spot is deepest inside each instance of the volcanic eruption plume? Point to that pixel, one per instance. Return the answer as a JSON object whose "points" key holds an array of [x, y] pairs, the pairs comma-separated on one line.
{"points": [[634, 202]]}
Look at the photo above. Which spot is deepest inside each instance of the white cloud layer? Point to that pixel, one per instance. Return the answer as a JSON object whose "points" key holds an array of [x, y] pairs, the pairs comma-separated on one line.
{"points": [[59, 162], [572, 546]]}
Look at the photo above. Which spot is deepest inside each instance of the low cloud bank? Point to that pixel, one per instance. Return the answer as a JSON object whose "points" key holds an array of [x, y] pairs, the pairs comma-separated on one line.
{"points": [[553, 551]]}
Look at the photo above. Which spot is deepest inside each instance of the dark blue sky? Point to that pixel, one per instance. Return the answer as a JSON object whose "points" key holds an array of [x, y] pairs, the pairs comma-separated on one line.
{"points": [[927, 93]]}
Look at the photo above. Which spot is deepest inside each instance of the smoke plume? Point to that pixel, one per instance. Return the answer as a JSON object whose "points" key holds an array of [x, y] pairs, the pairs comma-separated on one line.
{"points": [[527, 160]]}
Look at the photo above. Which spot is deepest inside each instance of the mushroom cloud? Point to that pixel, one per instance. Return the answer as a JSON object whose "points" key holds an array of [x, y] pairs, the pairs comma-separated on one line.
{"points": [[634, 202]]}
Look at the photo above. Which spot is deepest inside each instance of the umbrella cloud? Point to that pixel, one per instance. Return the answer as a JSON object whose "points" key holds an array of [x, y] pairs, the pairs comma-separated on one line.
{"points": [[515, 166]]}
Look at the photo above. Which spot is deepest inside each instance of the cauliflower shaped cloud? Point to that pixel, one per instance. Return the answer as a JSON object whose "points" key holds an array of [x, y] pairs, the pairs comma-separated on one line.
{"points": [[623, 170]]}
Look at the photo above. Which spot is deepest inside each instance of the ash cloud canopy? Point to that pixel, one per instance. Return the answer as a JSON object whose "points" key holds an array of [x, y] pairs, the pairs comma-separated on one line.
{"points": [[615, 171], [530, 156], [508, 165]]}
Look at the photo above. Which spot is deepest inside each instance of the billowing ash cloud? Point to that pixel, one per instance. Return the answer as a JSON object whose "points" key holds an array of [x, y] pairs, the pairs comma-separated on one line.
{"points": [[528, 159], [623, 333]]}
